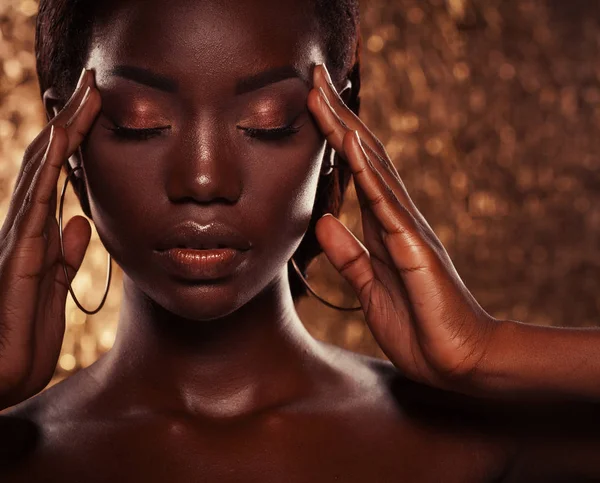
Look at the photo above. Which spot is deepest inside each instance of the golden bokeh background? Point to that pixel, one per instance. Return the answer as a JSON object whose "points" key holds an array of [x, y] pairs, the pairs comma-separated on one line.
{"points": [[490, 109]]}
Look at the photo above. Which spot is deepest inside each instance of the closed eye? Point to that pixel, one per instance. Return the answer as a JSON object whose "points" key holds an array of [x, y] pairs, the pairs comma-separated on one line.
{"points": [[271, 134], [132, 134]]}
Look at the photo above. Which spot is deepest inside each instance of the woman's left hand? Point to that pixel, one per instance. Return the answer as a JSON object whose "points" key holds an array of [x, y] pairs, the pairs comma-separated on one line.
{"points": [[421, 314]]}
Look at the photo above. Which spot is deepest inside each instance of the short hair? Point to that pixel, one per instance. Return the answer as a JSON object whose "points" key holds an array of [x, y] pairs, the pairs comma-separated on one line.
{"points": [[62, 40]]}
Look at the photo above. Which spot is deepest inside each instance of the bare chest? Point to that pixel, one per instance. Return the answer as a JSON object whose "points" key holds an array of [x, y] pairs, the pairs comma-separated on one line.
{"points": [[299, 449]]}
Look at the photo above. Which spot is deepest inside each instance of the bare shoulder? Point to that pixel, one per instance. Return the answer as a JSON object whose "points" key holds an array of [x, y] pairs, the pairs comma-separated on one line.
{"points": [[26, 428], [66, 397], [397, 416], [527, 441]]}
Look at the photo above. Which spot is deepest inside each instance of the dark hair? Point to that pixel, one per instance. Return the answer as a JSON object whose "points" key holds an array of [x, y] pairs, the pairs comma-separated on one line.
{"points": [[62, 40]]}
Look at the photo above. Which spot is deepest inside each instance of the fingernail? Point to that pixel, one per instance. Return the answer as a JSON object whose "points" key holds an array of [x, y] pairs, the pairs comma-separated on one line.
{"points": [[50, 138], [81, 77], [356, 135], [324, 96], [86, 95], [327, 76]]}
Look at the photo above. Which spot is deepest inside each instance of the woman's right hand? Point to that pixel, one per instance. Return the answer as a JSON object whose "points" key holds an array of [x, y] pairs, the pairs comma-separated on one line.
{"points": [[33, 289]]}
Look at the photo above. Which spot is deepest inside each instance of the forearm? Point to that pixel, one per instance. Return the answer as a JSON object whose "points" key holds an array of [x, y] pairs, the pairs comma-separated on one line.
{"points": [[541, 362]]}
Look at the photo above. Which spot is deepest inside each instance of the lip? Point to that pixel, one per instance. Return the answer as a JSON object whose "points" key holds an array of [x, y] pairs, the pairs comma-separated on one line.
{"points": [[200, 264], [190, 234]]}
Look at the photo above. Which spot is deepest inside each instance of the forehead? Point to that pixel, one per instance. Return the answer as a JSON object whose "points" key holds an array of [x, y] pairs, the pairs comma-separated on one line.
{"points": [[209, 40]]}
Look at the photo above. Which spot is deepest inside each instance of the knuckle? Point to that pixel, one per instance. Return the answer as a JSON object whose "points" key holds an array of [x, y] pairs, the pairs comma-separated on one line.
{"points": [[378, 199], [360, 171], [350, 264]]}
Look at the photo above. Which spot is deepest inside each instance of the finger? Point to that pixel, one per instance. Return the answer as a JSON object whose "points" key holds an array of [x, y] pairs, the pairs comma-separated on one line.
{"points": [[61, 119], [335, 128], [349, 120], [335, 117], [380, 198], [407, 242], [31, 219], [347, 254], [78, 126], [76, 237], [346, 115]]}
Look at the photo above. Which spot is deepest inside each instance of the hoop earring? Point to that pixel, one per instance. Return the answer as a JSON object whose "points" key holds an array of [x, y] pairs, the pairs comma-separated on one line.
{"points": [[328, 168], [322, 300], [62, 250]]}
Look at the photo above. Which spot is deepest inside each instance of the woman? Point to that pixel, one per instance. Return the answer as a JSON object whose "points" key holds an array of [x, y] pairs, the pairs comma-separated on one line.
{"points": [[200, 139]]}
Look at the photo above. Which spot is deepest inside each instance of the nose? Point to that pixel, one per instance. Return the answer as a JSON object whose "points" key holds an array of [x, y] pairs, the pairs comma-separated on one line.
{"points": [[205, 169]]}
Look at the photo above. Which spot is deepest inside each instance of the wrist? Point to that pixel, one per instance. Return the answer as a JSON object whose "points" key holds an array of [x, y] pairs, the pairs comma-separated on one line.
{"points": [[494, 372]]}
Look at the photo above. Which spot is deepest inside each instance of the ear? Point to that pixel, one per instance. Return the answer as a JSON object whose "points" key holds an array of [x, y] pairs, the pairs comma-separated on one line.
{"points": [[53, 104]]}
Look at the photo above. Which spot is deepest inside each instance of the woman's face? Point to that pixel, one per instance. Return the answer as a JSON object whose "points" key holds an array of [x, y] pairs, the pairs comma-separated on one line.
{"points": [[199, 67]]}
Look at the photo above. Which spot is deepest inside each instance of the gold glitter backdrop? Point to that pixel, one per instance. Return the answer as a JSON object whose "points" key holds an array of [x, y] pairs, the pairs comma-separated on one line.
{"points": [[490, 110]]}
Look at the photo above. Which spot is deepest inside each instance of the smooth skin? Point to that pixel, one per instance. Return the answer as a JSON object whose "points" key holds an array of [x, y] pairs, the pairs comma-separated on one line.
{"points": [[220, 382]]}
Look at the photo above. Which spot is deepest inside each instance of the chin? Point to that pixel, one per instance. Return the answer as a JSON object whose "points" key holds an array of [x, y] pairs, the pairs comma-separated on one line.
{"points": [[201, 301]]}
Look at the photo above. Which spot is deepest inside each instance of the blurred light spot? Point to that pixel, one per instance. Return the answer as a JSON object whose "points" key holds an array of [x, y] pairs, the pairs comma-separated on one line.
{"points": [[477, 100], [408, 123], [354, 333], [445, 234], [28, 8], [67, 362], [482, 203], [415, 15], [107, 338], [461, 71], [507, 72], [78, 317], [7, 129], [434, 146], [13, 69], [375, 43], [459, 181]]}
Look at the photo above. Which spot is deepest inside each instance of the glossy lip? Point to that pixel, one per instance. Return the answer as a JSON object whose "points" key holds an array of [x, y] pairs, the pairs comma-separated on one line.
{"points": [[193, 264], [190, 234]]}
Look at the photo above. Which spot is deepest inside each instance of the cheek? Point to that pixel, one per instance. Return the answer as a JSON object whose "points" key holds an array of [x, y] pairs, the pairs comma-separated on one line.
{"points": [[121, 189], [286, 193]]}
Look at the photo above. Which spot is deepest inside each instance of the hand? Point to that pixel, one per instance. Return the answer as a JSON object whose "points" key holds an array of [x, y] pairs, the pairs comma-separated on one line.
{"points": [[417, 307], [33, 288]]}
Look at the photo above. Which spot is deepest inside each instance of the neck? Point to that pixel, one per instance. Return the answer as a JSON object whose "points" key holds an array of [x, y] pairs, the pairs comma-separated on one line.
{"points": [[255, 357]]}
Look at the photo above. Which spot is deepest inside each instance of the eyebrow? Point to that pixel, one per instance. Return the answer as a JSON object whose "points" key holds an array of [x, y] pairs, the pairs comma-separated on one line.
{"points": [[270, 76], [243, 85], [145, 77]]}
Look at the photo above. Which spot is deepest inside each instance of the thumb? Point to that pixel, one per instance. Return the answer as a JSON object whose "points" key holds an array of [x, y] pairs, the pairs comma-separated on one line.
{"points": [[346, 253], [76, 238]]}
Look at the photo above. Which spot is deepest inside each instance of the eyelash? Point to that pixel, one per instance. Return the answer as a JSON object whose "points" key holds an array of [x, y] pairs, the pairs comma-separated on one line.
{"points": [[129, 134], [277, 134]]}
